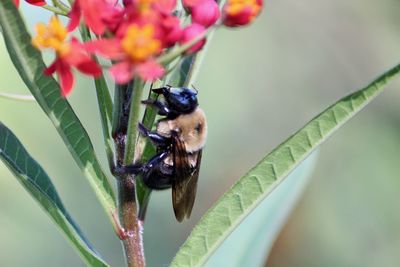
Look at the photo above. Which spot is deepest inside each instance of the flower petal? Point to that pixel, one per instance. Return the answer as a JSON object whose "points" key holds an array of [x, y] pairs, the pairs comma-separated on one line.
{"points": [[51, 69], [108, 48], [165, 6], [122, 72], [149, 70], [75, 16], [66, 77], [90, 67], [92, 11]]}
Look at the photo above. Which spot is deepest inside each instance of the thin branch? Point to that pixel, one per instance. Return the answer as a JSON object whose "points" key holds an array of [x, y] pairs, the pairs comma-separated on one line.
{"points": [[61, 6], [176, 52], [25, 98], [55, 10]]}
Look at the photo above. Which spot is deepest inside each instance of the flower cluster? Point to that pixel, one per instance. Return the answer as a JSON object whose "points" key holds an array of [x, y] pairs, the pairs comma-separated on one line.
{"points": [[134, 35]]}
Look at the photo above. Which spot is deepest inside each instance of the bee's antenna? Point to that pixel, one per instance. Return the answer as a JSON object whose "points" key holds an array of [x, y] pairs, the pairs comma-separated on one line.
{"points": [[197, 91]]}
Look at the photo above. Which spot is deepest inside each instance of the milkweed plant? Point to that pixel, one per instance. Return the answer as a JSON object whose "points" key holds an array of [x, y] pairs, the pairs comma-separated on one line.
{"points": [[139, 45]]}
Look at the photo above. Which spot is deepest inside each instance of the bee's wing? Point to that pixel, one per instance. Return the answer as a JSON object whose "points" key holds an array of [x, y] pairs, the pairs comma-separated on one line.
{"points": [[192, 185], [184, 184]]}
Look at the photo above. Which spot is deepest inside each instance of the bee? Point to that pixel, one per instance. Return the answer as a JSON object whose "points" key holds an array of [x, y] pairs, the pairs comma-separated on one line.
{"points": [[179, 138]]}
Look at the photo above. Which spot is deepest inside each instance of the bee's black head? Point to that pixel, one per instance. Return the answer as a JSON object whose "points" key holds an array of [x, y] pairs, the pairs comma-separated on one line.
{"points": [[181, 100]]}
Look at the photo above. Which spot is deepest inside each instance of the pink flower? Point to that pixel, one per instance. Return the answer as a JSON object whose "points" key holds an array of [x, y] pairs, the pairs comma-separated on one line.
{"points": [[191, 32], [134, 53]]}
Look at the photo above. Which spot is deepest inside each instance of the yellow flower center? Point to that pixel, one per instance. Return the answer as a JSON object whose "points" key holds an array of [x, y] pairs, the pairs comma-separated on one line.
{"points": [[52, 36], [140, 43], [234, 7]]}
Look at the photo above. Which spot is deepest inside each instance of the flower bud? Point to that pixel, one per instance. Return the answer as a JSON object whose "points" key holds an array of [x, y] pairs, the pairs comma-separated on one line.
{"points": [[188, 4], [241, 12], [36, 2], [191, 32], [205, 13], [172, 30], [32, 2]]}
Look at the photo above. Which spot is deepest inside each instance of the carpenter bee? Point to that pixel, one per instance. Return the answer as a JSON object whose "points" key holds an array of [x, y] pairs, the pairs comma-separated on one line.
{"points": [[179, 138]]}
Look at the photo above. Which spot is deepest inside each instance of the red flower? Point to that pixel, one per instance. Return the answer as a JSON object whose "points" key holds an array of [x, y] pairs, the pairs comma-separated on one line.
{"points": [[68, 54], [191, 32], [97, 14], [77, 57], [32, 2], [241, 12]]}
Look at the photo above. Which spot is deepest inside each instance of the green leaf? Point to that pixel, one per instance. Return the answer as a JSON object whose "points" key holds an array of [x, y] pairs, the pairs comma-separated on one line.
{"points": [[35, 180], [251, 241], [252, 188], [29, 64]]}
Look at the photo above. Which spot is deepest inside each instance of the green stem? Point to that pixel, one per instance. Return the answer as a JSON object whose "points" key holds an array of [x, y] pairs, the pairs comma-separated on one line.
{"points": [[55, 10], [61, 6], [132, 133], [178, 51], [197, 61], [146, 152], [126, 110], [105, 105]]}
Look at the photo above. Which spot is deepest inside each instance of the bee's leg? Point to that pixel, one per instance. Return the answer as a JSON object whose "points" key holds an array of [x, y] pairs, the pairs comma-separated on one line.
{"points": [[154, 162], [163, 109], [141, 168], [156, 174], [130, 169], [161, 90], [157, 139]]}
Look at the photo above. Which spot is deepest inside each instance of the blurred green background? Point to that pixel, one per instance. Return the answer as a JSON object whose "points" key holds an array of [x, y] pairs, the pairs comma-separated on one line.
{"points": [[258, 85]]}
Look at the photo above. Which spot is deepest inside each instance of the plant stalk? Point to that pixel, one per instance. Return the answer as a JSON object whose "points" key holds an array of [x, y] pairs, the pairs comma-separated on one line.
{"points": [[133, 239], [125, 103]]}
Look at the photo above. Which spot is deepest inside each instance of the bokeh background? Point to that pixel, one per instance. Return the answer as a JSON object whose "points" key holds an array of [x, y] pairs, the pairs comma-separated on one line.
{"points": [[258, 85]]}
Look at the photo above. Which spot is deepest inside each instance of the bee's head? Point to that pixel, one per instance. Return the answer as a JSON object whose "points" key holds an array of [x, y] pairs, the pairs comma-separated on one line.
{"points": [[180, 99]]}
